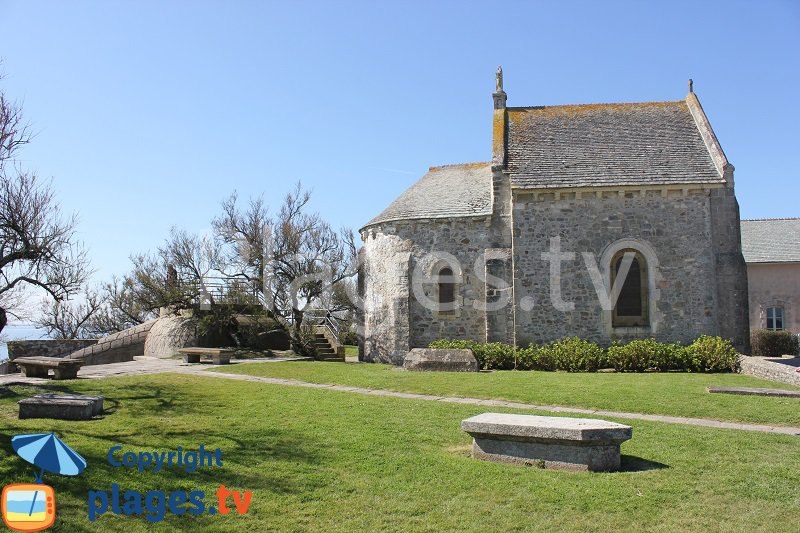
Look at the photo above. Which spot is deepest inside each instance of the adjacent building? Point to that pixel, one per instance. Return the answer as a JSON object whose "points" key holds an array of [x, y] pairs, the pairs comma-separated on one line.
{"points": [[771, 248]]}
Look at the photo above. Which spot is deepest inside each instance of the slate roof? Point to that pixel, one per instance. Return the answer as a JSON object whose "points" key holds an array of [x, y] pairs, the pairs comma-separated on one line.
{"points": [[446, 191], [653, 143], [775, 240]]}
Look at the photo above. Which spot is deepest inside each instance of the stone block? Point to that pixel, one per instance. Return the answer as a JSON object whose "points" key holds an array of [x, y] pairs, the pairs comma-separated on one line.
{"points": [[97, 401], [755, 391], [578, 444], [440, 360], [61, 407]]}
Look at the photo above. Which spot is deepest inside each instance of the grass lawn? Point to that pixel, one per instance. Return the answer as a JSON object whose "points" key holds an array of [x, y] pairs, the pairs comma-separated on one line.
{"points": [[677, 394], [321, 460], [350, 350]]}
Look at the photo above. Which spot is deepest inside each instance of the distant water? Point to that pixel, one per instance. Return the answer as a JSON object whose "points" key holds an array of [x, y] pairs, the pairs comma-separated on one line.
{"points": [[19, 332]]}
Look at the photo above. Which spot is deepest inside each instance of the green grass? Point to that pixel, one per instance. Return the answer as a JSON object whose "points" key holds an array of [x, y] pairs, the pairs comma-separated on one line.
{"points": [[676, 394], [321, 460], [350, 350]]}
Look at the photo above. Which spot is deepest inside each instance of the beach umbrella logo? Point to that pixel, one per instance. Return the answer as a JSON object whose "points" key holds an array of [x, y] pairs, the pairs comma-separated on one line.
{"points": [[32, 506], [49, 453]]}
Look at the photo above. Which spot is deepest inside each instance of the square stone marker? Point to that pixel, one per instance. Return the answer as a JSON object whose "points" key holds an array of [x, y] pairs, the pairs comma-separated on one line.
{"points": [[440, 360], [60, 407], [548, 441]]}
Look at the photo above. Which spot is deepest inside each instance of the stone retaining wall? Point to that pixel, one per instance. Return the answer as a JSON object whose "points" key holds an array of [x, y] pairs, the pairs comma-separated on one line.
{"points": [[47, 347], [763, 367], [117, 347]]}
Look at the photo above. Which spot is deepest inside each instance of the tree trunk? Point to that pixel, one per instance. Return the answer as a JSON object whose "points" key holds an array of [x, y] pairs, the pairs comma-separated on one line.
{"points": [[3, 319]]}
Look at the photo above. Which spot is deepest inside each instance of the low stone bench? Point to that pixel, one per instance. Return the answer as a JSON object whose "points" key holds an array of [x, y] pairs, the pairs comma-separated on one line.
{"points": [[755, 391], [440, 360], [61, 406], [37, 367], [219, 356], [547, 441]]}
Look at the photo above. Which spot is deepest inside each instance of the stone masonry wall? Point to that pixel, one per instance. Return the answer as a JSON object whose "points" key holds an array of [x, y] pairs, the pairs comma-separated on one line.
{"points": [[117, 347], [384, 278], [676, 227], [730, 270], [396, 255], [47, 347]]}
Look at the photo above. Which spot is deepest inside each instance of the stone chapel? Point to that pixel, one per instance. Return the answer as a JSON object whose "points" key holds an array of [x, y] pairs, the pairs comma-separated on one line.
{"points": [[603, 221]]}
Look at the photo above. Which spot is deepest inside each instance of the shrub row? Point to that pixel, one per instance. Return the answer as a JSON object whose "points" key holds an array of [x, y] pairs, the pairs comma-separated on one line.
{"points": [[766, 343], [706, 354]]}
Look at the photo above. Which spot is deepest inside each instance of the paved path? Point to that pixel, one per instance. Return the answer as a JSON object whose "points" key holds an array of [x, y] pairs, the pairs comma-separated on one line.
{"points": [[145, 365]]}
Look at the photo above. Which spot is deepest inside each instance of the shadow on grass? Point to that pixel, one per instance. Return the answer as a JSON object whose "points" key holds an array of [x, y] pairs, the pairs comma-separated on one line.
{"points": [[270, 462], [631, 463]]}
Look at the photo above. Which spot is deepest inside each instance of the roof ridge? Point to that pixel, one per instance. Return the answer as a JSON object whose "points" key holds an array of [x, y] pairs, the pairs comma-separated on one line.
{"points": [[768, 219], [474, 164], [599, 104]]}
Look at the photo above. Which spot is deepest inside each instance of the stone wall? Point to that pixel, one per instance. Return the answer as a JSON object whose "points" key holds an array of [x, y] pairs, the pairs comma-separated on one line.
{"points": [[689, 238], [396, 255], [169, 334], [769, 368], [47, 347], [730, 270], [676, 226], [384, 278], [116, 348]]}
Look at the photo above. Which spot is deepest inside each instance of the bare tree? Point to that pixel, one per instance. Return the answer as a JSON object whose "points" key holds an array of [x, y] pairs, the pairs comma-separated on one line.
{"points": [[37, 244], [173, 276], [294, 259], [14, 131], [121, 308], [65, 319], [170, 277]]}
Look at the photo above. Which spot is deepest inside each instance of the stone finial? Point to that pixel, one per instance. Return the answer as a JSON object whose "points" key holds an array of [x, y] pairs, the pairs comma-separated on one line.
{"points": [[498, 79], [499, 95], [691, 83]]}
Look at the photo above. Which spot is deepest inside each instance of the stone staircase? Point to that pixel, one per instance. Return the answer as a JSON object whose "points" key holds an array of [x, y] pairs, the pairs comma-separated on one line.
{"points": [[327, 347]]}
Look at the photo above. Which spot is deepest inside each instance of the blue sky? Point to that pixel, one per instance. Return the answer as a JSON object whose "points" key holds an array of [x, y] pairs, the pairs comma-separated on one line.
{"points": [[149, 113]]}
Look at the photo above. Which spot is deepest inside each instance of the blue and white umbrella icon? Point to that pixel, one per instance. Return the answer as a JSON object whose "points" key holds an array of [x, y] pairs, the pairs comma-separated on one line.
{"points": [[48, 452]]}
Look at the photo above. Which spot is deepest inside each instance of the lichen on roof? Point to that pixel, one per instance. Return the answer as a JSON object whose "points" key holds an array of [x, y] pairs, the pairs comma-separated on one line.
{"points": [[648, 143], [463, 190]]}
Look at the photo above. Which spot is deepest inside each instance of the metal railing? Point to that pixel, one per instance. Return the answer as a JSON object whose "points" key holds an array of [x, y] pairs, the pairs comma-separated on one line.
{"points": [[324, 318], [239, 291]]}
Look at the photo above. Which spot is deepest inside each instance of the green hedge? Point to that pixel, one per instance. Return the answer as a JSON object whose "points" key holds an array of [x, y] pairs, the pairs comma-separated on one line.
{"points": [[706, 354], [766, 343]]}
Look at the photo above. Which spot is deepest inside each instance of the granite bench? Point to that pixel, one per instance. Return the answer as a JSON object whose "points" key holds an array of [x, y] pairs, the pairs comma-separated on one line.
{"points": [[219, 356], [37, 367], [547, 441], [61, 406]]}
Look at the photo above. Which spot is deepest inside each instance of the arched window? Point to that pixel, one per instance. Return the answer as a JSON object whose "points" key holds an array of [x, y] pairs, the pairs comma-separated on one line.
{"points": [[631, 308], [447, 291]]}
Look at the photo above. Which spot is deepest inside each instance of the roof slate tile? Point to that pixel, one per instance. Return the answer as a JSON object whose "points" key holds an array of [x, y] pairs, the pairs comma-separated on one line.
{"points": [[774, 240], [651, 143], [444, 192]]}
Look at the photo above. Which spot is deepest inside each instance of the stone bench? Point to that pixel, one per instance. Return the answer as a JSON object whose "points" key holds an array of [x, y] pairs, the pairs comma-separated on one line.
{"points": [[547, 441], [219, 356], [440, 360], [755, 391], [61, 406], [37, 367]]}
